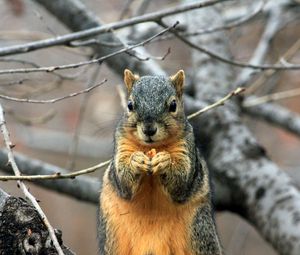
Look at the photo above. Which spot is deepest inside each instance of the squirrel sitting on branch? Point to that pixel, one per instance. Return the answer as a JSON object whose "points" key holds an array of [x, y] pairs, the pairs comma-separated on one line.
{"points": [[156, 194]]}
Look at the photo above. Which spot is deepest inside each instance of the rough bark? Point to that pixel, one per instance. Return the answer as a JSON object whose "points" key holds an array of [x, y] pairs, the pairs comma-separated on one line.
{"points": [[22, 231], [276, 115], [260, 191]]}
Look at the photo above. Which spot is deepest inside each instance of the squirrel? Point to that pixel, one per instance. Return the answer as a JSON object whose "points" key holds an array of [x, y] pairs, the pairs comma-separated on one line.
{"points": [[156, 194]]}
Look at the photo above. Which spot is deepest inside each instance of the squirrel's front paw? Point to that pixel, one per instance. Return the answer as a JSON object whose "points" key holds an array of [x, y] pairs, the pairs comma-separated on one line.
{"points": [[139, 162], [160, 162]]}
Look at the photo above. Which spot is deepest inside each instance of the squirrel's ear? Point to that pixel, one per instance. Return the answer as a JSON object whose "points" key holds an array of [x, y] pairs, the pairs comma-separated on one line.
{"points": [[129, 79], [178, 82]]}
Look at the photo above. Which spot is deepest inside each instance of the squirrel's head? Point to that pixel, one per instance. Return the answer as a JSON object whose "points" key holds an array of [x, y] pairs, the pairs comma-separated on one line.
{"points": [[155, 108]]}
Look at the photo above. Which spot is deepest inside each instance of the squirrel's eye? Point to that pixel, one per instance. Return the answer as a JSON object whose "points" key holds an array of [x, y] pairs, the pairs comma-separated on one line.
{"points": [[130, 106], [172, 107]]}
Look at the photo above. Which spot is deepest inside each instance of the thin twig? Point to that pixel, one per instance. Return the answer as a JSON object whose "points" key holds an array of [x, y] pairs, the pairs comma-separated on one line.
{"points": [[218, 103], [54, 100], [83, 63], [146, 58], [276, 115], [33, 64], [228, 26], [262, 79], [64, 40], [9, 145], [272, 27], [56, 175], [271, 97], [212, 54], [97, 41], [23, 35]]}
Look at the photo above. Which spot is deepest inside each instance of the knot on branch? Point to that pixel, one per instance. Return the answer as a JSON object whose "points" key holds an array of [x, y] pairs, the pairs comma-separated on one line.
{"points": [[22, 231]]}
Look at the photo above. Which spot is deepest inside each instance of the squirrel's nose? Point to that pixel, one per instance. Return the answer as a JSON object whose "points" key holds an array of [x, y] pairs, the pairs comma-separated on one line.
{"points": [[149, 130]]}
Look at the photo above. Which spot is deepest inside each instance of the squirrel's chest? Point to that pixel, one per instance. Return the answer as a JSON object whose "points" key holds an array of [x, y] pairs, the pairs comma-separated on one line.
{"points": [[149, 224]]}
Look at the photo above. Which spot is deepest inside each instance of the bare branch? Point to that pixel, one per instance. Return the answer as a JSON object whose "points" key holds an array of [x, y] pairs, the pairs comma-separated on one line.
{"points": [[57, 175], [218, 103], [34, 65], [252, 101], [84, 188], [276, 115], [230, 25], [263, 78], [63, 40], [144, 30], [274, 23], [54, 100], [212, 54], [83, 63], [26, 192], [146, 58], [259, 190]]}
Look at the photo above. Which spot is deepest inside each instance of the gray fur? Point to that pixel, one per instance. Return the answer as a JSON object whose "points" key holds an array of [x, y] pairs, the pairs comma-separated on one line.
{"points": [[122, 188], [150, 94], [204, 237]]}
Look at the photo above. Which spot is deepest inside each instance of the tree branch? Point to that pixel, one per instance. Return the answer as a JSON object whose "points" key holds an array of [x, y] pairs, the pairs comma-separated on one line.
{"points": [[90, 21], [50, 69], [54, 100], [274, 23], [84, 188], [24, 189], [276, 115], [229, 61], [260, 191], [252, 101], [22, 231]]}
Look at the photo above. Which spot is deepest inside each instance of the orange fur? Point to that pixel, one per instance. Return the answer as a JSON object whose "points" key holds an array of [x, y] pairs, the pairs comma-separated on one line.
{"points": [[150, 223]]}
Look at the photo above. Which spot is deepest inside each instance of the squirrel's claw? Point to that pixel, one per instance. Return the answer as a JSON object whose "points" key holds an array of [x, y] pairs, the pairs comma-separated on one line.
{"points": [[160, 162], [139, 162]]}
